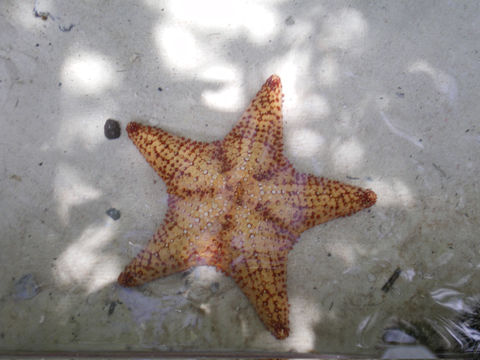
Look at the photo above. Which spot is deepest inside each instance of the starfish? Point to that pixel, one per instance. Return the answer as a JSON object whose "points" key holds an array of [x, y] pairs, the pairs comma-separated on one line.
{"points": [[238, 205]]}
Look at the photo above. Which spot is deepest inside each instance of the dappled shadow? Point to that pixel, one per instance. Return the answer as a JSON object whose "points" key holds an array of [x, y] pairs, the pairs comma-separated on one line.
{"points": [[368, 101]]}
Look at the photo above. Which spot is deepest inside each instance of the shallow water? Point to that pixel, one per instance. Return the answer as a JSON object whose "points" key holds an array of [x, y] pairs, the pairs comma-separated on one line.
{"points": [[378, 95]]}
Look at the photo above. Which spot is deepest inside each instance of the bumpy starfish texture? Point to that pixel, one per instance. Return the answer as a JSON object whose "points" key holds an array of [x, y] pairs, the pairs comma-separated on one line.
{"points": [[238, 205]]}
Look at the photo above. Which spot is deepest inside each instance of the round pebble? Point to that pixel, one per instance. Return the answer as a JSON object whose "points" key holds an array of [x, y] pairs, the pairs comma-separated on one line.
{"points": [[111, 129], [113, 213]]}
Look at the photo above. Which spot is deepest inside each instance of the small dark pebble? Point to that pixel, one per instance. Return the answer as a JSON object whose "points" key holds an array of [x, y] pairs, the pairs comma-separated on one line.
{"points": [[289, 21], [113, 213], [111, 308], [112, 129], [214, 287], [160, 89], [40, 163], [26, 288]]}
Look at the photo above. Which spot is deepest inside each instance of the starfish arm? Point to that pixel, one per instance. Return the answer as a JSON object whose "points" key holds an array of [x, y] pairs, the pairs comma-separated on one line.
{"points": [[258, 263], [183, 164], [263, 279], [299, 201], [187, 238], [256, 141]]}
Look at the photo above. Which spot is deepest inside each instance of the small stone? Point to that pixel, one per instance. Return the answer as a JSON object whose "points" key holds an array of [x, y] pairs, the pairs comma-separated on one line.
{"points": [[396, 336], [111, 308], [289, 21], [26, 288], [214, 287], [112, 129], [113, 213]]}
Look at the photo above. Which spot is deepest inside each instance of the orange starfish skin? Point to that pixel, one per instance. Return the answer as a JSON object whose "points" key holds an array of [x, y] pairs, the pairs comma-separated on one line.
{"points": [[238, 205]]}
